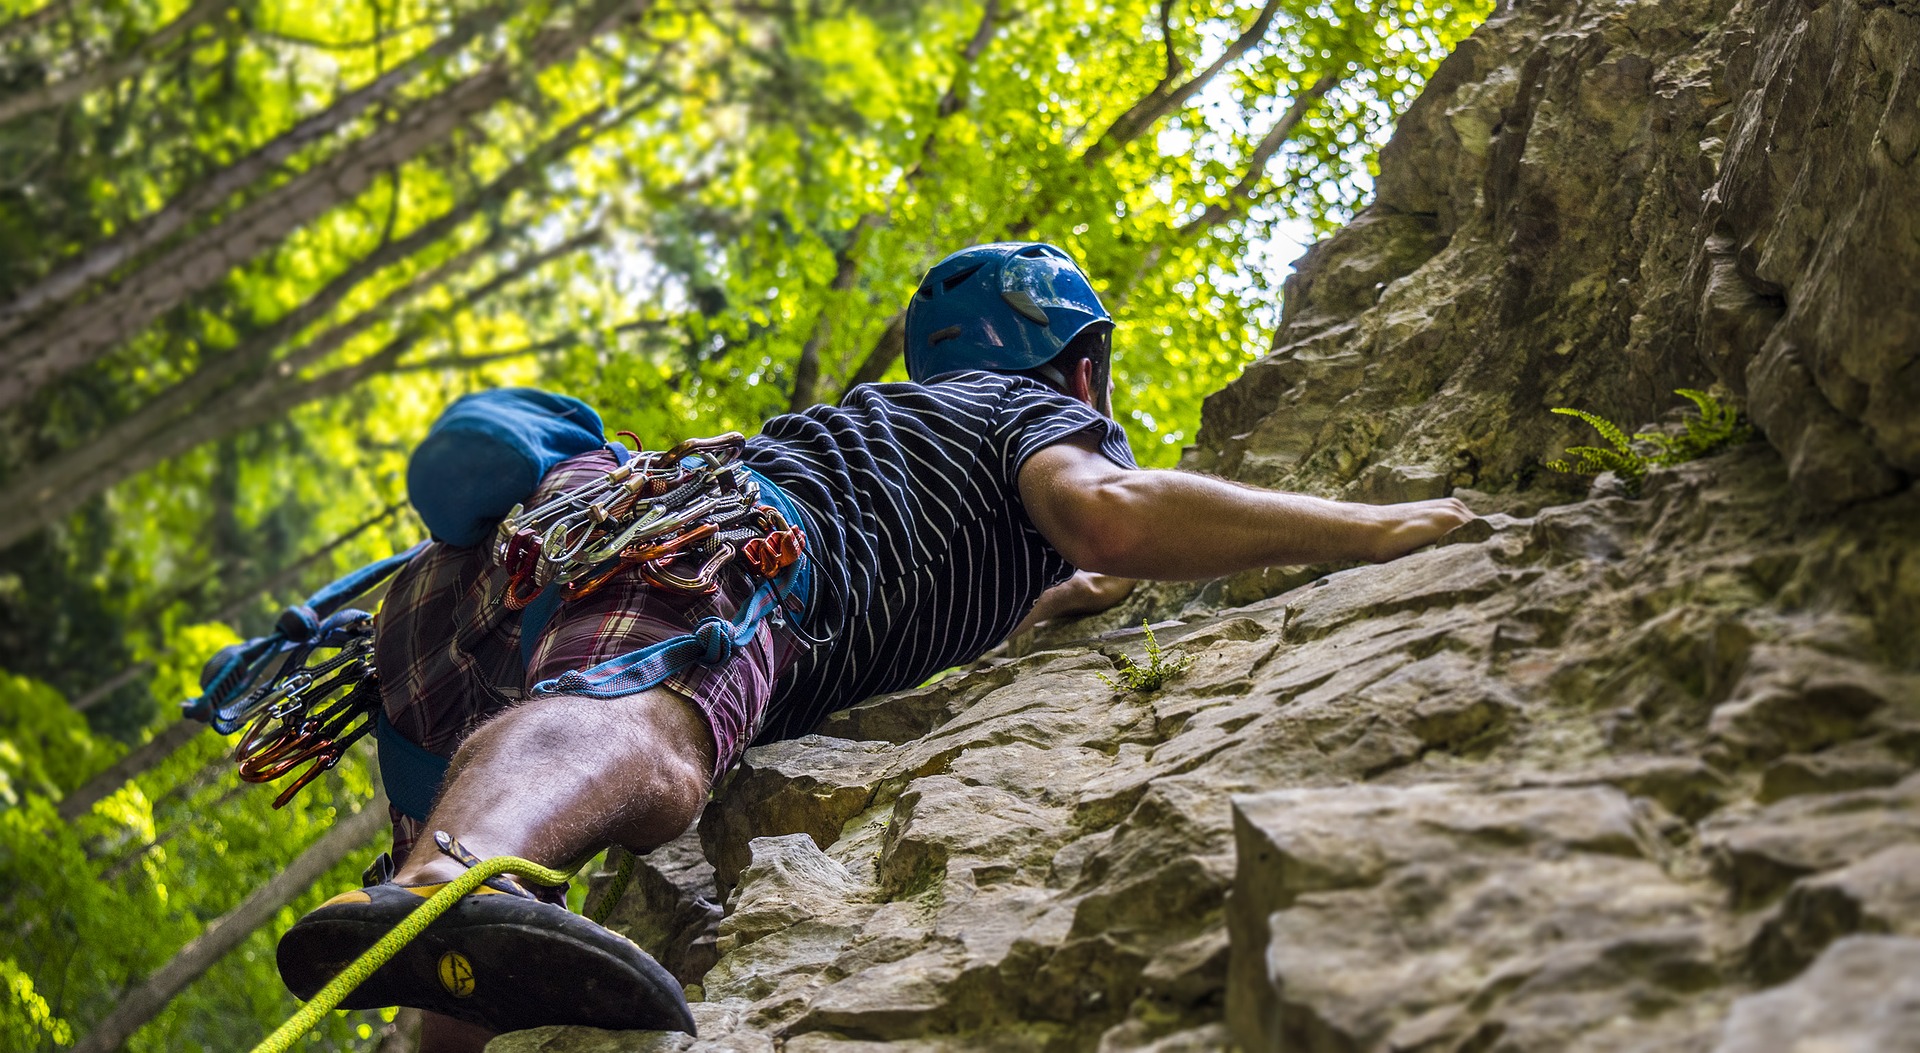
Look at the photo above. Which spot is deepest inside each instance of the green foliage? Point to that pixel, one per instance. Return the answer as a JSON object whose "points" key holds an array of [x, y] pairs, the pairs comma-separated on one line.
{"points": [[1713, 427], [1618, 457], [104, 901], [26, 1020], [1159, 670], [45, 747]]}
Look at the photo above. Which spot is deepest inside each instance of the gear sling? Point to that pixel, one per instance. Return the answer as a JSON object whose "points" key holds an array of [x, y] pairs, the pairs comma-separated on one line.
{"points": [[307, 691]]}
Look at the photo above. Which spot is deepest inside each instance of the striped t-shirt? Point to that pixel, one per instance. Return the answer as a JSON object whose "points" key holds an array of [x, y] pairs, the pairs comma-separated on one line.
{"points": [[924, 555]]}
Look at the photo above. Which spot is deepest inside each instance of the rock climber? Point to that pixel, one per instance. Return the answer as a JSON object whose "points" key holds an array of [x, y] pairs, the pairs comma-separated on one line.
{"points": [[939, 515]]}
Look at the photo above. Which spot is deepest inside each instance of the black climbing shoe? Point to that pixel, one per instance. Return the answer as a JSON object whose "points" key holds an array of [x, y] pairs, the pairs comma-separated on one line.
{"points": [[501, 961]]}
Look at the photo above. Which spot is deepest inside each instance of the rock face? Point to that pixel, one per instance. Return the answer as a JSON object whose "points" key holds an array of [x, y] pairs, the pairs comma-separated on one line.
{"points": [[1594, 774]]}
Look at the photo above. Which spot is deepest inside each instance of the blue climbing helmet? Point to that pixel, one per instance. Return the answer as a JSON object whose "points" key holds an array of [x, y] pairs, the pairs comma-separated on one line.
{"points": [[1005, 307]]}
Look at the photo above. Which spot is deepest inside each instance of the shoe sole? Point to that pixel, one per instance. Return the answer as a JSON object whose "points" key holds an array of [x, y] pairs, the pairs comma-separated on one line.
{"points": [[501, 962]]}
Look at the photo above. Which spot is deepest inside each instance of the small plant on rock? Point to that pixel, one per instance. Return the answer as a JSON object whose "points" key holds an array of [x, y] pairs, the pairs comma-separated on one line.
{"points": [[1152, 676], [1714, 428]]}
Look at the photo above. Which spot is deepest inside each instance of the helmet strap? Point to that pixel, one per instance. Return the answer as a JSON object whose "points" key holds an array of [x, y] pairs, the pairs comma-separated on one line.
{"points": [[1052, 374]]}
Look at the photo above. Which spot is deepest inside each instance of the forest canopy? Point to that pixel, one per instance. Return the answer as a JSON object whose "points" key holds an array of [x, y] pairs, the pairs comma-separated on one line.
{"points": [[249, 248]]}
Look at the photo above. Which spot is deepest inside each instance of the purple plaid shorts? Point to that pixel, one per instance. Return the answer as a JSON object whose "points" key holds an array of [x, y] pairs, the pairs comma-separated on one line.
{"points": [[449, 653]]}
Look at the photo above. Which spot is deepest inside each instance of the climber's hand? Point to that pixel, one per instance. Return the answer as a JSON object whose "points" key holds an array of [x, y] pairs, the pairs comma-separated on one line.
{"points": [[1416, 524], [1084, 593]]}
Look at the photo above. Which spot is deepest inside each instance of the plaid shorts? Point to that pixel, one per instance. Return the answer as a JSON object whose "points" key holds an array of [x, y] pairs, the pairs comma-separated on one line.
{"points": [[449, 653]]}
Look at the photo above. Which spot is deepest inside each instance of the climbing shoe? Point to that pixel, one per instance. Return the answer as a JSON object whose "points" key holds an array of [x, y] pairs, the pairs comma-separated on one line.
{"points": [[498, 958]]}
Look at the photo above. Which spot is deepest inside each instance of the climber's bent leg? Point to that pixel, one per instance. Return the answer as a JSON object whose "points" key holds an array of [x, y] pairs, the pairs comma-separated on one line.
{"points": [[559, 778], [551, 781]]}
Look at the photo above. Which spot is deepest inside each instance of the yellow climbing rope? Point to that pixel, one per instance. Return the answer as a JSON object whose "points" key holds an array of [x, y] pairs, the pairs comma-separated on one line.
{"points": [[389, 945]]}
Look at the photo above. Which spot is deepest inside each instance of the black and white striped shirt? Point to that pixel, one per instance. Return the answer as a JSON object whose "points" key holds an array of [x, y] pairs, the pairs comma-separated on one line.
{"points": [[924, 555]]}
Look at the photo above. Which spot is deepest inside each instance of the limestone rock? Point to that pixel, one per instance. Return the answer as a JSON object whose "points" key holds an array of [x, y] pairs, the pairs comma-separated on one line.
{"points": [[672, 908], [1759, 853], [1861, 996], [1377, 918], [1878, 894]]}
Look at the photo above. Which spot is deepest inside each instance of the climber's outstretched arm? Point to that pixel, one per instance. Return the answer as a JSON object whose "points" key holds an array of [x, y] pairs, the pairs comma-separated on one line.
{"points": [[1171, 525]]}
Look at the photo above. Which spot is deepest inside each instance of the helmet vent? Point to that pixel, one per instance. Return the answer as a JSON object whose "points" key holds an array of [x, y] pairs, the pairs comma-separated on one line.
{"points": [[939, 335], [947, 285], [1024, 303]]}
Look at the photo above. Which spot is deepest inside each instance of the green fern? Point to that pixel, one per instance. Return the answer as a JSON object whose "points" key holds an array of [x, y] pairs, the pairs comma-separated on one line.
{"points": [[1152, 676], [1715, 427], [1622, 460]]}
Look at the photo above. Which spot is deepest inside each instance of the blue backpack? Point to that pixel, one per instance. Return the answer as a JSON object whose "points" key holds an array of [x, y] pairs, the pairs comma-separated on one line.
{"points": [[488, 452]]}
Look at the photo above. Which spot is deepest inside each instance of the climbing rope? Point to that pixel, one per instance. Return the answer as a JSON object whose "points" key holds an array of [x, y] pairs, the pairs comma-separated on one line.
{"points": [[601, 901], [389, 945]]}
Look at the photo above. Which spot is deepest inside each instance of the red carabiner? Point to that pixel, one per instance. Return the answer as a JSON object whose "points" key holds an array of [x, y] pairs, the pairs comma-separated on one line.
{"points": [[520, 559], [776, 552]]}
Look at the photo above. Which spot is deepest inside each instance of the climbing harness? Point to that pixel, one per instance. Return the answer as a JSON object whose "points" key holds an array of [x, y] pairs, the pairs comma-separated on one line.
{"points": [[694, 504], [302, 695], [305, 693]]}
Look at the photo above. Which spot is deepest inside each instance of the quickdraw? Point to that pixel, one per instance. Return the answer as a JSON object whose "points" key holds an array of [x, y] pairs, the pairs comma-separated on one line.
{"points": [[694, 504], [296, 704]]}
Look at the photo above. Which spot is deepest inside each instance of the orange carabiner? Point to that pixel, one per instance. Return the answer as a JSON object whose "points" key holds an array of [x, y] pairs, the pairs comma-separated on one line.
{"points": [[324, 762], [776, 552]]}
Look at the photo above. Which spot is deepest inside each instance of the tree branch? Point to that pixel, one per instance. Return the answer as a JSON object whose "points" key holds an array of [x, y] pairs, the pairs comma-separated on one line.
{"points": [[1175, 66], [1246, 191], [1166, 96], [72, 277], [61, 92]]}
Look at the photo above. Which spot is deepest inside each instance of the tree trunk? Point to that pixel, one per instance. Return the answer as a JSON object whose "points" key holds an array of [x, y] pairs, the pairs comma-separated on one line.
{"points": [[72, 277], [51, 490], [225, 933], [273, 397], [157, 749], [61, 92], [82, 333]]}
